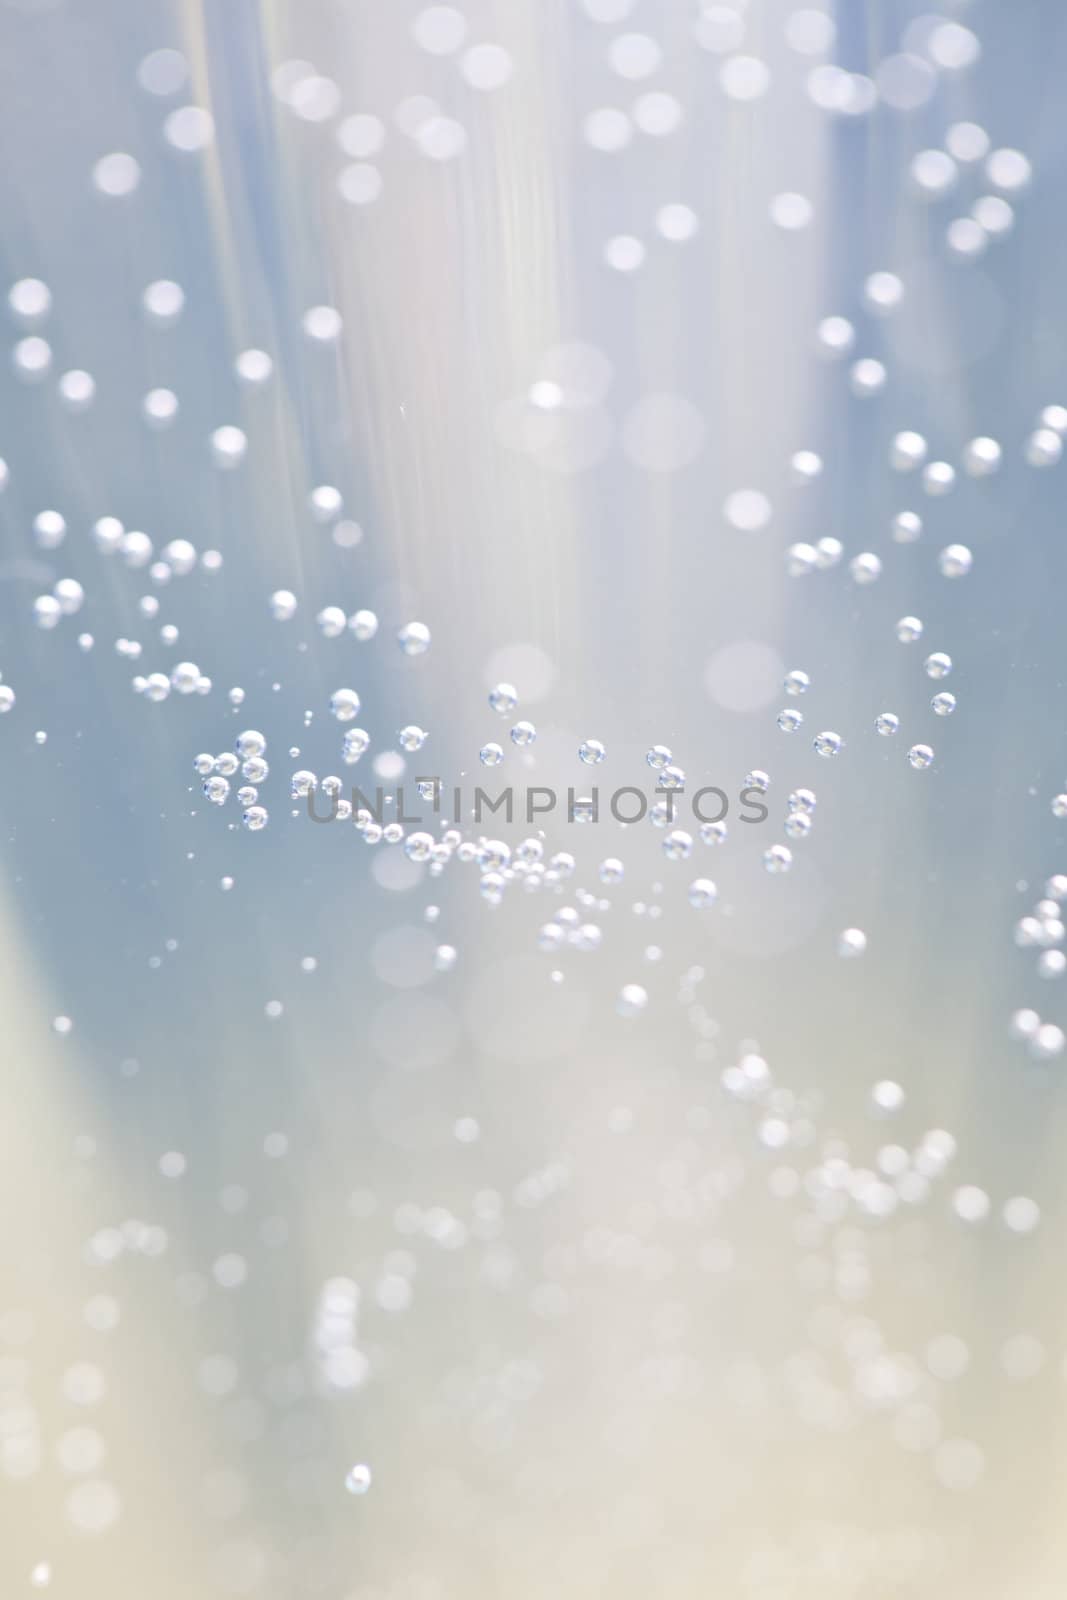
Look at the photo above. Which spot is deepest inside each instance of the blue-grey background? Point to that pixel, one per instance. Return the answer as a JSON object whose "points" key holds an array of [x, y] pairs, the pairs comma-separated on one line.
{"points": [[624, 1366]]}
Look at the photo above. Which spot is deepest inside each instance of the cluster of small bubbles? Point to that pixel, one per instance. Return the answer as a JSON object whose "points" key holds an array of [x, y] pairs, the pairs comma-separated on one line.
{"points": [[796, 682], [1045, 930], [943, 704], [802, 558], [921, 755], [592, 752], [523, 734], [1045, 1039], [777, 858], [852, 942], [503, 699], [412, 738], [790, 720], [491, 755], [938, 665], [414, 638], [827, 744], [955, 561], [887, 723]]}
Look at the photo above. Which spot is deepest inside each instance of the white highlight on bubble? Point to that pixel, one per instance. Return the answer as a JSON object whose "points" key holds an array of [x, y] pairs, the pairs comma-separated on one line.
{"points": [[189, 129], [116, 175]]}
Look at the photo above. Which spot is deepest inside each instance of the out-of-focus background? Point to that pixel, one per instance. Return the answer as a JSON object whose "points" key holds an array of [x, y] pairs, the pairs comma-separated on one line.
{"points": [[361, 1239]]}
